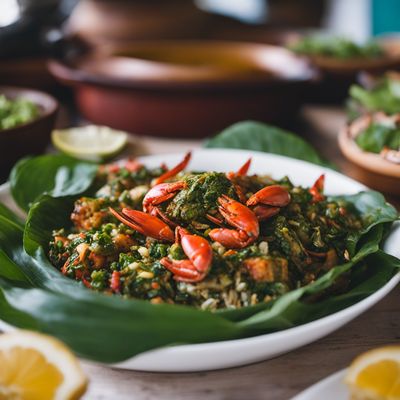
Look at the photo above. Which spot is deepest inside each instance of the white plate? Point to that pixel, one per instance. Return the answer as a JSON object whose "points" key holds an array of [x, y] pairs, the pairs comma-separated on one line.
{"points": [[330, 388], [232, 353]]}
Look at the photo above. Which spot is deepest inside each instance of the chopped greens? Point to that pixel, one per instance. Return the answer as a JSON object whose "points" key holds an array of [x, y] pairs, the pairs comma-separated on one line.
{"points": [[16, 112], [337, 47], [296, 244]]}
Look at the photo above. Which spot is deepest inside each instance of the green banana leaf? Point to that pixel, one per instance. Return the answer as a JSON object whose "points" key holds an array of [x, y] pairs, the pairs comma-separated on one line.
{"points": [[57, 175], [252, 135], [47, 301]]}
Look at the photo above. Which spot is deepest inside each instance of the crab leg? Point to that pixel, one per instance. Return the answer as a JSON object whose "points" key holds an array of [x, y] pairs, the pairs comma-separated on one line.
{"points": [[240, 172], [199, 253], [240, 217], [244, 168], [173, 171], [317, 189], [145, 224]]}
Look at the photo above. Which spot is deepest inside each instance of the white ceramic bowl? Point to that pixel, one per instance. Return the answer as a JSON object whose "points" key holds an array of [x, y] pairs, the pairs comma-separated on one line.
{"points": [[232, 353]]}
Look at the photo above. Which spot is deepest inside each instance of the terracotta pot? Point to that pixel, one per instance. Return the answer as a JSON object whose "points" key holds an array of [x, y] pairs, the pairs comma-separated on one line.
{"points": [[187, 89], [370, 168]]}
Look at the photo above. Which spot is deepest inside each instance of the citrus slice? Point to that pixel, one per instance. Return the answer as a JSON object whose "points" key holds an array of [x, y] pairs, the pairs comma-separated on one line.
{"points": [[38, 367], [91, 142], [375, 375]]}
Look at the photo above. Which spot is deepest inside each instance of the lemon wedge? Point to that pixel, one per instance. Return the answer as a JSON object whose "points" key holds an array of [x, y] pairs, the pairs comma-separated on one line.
{"points": [[38, 367], [91, 142], [375, 375]]}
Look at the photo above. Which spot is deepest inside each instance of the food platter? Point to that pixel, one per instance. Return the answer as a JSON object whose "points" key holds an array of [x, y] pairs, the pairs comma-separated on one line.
{"points": [[230, 353]]}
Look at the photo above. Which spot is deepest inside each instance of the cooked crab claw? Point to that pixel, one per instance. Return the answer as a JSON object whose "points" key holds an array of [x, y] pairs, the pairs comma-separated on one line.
{"points": [[199, 253], [241, 171], [240, 217], [317, 189], [160, 193], [244, 168], [173, 171], [274, 195], [267, 202], [145, 224]]}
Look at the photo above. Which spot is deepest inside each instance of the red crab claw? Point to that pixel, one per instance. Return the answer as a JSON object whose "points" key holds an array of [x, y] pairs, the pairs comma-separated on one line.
{"points": [[240, 172], [160, 193], [145, 224], [267, 201], [265, 212], [274, 195], [317, 189], [244, 168], [240, 217], [173, 171], [199, 253]]}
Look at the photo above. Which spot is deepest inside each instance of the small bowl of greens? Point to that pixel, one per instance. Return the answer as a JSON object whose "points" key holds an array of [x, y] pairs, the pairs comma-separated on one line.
{"points": [[372, 143], [342, 55], [27, 118], [375, 94], [340, 60]]}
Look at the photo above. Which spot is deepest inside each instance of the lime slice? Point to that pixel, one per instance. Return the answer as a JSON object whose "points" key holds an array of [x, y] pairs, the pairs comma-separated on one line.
{"points": [[91, 142]]}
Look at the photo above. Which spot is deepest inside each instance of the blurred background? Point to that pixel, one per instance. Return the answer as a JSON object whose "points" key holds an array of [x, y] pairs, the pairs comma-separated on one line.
{"points": [[189, 68], [33, 30]]}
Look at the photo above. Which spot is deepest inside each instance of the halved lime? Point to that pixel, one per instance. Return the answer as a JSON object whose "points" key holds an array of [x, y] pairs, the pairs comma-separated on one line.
{"points": [[91, 142]]}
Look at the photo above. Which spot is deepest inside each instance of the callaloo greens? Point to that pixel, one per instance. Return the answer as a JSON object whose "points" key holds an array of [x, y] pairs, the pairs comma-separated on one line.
{"points": [[35, 295]]}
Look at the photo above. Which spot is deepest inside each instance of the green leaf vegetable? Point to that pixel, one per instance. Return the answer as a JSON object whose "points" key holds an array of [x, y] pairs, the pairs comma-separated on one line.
{"points": [[377, 136], [53, 174], [252, 135], [383, 96]]}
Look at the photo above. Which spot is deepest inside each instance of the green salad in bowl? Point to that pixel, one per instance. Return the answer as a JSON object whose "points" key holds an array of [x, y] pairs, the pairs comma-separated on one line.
{"points": [[336, 47], [16, 112], [378, 94], [378, 133]]}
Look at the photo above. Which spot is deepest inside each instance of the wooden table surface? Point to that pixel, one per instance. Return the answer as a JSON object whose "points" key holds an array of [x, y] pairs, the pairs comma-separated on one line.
{"points": [[282, 377]]}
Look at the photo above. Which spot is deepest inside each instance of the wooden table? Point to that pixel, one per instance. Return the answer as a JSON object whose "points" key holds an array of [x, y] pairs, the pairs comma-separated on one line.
{"points": [[282, 377]]}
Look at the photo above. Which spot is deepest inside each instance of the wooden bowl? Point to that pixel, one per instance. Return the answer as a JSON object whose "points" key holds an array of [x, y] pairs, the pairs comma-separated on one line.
{"points": [[29, 138], [370, 168], [186, 88]]}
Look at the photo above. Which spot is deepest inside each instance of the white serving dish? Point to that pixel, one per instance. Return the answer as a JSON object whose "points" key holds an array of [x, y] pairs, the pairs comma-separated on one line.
{"points": [[232, 353]]}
